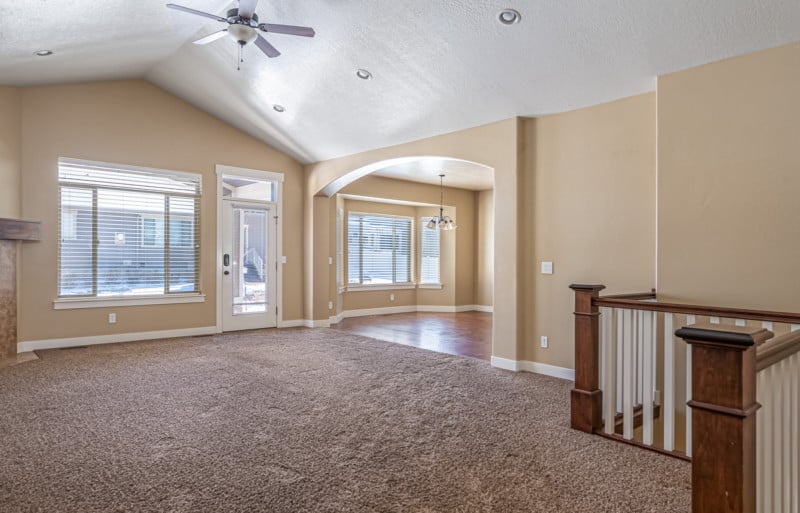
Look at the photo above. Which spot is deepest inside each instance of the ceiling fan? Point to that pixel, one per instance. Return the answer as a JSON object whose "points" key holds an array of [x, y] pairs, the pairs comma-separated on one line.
{"points": [[243, 27]]}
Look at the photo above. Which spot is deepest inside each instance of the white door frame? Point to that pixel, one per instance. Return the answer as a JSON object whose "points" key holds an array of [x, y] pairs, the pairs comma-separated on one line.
{"points": [[261, 175]]}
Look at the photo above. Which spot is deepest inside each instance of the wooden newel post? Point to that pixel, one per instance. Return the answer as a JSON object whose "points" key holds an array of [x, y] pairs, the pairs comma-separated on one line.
{"points": [[723, 416], [587, 399]]}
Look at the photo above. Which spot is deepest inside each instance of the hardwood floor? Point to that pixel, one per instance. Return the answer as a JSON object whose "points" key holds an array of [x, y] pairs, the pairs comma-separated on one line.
{"points": [[464, 334]]}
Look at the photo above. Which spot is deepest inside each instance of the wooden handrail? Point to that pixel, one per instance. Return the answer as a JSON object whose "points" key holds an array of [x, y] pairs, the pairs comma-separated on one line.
{"points": [[709, 311], [635, 295], [777, 349]]}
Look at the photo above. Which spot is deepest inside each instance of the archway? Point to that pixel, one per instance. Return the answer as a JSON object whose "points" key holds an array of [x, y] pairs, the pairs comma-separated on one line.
{"points": [[493, 146]]}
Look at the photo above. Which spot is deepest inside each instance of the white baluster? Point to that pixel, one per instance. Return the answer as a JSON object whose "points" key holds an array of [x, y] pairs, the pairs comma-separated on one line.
{"points": [[688, 448], [668, 409], [610, 394], [795, 327], [627, 378], [713, 320], [786, 426], [767, 325], [691, 319], [639, 355], [762, 391], [648, 321], [620, 330], [794, 433], [740, 322]]}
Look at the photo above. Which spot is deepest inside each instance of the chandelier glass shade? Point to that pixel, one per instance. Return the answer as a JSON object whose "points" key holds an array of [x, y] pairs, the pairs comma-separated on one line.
{"points": [[442, 222]]}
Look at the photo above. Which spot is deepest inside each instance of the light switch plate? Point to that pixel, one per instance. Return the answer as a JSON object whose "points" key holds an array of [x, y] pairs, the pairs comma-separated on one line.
{"points": [[547, 267], [544, 342]]}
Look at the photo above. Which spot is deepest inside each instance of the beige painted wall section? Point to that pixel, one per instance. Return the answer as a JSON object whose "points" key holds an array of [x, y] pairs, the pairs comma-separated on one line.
{"points": [[590, 185], [133, 122], [484, 254], [10, 151], [729, 182]]}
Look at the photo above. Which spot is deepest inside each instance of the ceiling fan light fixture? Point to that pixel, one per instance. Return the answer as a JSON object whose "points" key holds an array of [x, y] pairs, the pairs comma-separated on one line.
{"points": [[363, 74], [509, 16], [43, 53], [242, 34]]}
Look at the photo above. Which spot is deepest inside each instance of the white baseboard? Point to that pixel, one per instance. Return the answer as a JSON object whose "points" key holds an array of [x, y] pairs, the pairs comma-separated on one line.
{"points": [[483, 308], [336, 319], [535, 367], [505, 363], [410, 309], [57, 343], [294, 323], [317, 323], [379, 311], [547, 370]]}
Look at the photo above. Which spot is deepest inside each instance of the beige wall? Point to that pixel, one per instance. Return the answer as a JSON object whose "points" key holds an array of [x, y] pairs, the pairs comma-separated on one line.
{"points": [[484, 255], [589, 182], [133, 122], [10, 151], [729, 182], [446, 296]]}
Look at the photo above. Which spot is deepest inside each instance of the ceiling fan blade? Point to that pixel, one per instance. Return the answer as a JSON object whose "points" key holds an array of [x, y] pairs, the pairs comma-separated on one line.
{"points": [[247, 8], [267, 48], [211, 37], [194, 11], [287, 29]]}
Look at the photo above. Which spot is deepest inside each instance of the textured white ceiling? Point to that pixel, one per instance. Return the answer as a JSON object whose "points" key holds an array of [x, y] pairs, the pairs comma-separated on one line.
{"points": [[438, 66]]}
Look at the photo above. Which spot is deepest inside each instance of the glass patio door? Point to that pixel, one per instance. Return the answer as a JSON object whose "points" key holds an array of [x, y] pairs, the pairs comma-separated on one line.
{"points": [[248, 266]]}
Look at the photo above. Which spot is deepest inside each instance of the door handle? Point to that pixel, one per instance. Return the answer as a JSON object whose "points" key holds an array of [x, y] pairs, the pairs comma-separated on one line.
{"points": [[226, 273], [226, 260]]}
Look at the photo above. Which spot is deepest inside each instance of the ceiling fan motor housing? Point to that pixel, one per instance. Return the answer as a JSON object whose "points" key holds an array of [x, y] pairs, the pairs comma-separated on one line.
{"points": [[233, 17]]}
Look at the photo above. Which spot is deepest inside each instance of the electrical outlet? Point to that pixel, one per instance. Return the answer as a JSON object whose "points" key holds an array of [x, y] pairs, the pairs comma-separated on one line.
{"points": [[391, 297], [330, 260], [330, 305], [112, 318], [544, 342]]}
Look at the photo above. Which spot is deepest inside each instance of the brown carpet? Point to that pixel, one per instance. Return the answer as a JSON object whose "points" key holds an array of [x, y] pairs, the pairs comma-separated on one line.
{"points": [[306, 421]]}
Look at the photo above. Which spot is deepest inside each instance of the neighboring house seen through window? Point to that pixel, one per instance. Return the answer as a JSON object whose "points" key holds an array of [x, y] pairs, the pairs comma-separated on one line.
{"points": [[429, 254], [378, 249], [114, 222]]}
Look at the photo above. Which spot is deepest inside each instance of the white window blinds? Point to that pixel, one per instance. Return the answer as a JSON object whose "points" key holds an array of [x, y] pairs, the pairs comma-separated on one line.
{"points": [[429, 253], [378, 249], [127, 231]]}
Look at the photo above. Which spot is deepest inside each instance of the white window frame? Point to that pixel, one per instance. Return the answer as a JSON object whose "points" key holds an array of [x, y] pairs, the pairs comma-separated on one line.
{"points": [[379, 286], [431, 284], [78, 302]]}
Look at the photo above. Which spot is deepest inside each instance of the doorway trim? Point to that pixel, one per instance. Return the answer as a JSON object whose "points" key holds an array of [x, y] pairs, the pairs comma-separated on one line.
{"points": [[278, 178]]}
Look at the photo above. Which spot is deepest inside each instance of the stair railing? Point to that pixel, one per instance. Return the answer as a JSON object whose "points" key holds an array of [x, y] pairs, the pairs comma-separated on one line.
{"points": [[692, 393]]}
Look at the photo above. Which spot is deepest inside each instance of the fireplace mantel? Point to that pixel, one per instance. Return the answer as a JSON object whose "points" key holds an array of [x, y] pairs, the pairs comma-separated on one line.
{"points": [[17, 229]]}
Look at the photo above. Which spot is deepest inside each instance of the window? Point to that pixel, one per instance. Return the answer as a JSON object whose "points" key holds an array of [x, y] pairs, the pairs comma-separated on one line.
{"points": [[429, 254], [127, 231], [378, 249]]}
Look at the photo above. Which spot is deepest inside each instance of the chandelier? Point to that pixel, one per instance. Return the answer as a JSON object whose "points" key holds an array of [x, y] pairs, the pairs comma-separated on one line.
{"points": [[442, 222]]}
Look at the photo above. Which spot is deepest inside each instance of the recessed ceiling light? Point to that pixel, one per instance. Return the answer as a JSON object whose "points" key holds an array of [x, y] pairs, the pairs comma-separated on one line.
{"points": [[278, 108], [43, 53], [509, 16], [363, 74]]}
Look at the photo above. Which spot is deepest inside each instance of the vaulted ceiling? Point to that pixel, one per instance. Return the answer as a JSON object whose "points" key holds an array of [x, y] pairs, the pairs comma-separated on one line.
{"points": [[437, 66]]}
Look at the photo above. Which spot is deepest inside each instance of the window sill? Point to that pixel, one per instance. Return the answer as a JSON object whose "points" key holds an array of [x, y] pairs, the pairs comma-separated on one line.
{"points": [[430, 286], [382, 286], [101, 302]]}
